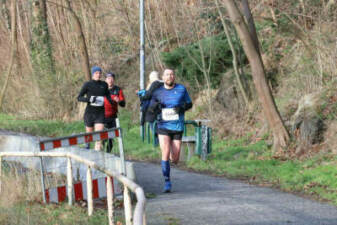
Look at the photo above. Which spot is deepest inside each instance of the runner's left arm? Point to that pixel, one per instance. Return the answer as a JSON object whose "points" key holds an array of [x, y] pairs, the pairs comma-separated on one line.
{"points": [[185, 105], [121, 98]]}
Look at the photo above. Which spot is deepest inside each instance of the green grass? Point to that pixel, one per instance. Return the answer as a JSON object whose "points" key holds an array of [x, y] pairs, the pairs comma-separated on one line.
{"points": [[50, 128], [238, 158]]}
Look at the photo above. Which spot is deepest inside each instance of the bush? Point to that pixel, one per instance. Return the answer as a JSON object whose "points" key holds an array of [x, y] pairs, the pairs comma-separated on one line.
{"points": [[187, 60]]}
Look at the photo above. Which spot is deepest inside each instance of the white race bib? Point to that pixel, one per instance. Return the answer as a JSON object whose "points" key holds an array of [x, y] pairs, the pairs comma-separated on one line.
{"points": [[169, 114], [99, 101]]}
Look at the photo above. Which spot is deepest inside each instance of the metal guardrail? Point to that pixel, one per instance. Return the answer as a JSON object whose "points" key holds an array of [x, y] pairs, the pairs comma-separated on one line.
{"points": [[202, 136], [139, 211]]}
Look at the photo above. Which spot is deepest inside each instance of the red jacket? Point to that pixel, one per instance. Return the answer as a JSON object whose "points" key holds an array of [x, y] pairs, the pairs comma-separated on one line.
{"points": [[112, 110]]}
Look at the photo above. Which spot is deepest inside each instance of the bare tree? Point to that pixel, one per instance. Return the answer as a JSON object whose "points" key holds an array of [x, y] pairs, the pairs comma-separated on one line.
{"points": [[250, 23], [13, 50], [280, 133], [82, 43], [5, 14], [235, 58], [41, 49]]}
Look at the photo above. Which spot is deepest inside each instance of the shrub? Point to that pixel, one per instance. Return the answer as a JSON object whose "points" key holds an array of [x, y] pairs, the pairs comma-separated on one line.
{"points": [[187, 60]]}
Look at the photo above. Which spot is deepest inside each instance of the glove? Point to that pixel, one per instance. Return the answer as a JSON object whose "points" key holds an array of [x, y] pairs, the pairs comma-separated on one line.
{"points": [[179, 109], [92, 99], [159, 106], [156, 106], [141, 93]]}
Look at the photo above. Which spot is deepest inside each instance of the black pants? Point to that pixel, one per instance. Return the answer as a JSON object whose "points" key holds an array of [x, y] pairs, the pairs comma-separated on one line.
{"points": [[108, 124]]}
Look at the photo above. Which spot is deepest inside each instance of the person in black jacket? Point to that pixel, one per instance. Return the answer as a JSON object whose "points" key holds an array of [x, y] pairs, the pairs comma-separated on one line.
{"points": [[93, 93], [150, 115]]}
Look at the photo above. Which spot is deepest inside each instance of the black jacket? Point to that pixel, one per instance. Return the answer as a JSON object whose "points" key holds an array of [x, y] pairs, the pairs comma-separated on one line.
{"points": [[150, 115]]}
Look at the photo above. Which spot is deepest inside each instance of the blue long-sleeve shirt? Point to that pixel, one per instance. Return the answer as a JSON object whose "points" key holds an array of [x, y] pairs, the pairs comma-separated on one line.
{"points": [[169, 99]]}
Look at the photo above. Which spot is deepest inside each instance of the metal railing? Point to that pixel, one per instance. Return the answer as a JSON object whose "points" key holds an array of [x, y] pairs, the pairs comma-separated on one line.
{"points": [[202, 136], [138, 217]]}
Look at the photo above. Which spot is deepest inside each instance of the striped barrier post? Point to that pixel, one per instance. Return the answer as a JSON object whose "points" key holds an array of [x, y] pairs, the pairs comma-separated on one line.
{"points": [[78, 191], [83, 138], [110, 198], [99, 190], [70, 181]]}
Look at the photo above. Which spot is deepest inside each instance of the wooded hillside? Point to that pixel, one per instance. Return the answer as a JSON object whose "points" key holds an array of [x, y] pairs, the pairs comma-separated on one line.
{"points": [[47, 48]]}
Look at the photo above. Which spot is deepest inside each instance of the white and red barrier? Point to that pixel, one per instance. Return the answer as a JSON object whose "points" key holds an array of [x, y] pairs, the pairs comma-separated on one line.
{"points": [[78, 139], [59, 194]]}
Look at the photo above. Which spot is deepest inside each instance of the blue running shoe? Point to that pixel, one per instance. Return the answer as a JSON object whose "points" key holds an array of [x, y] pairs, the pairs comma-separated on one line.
{"points": [[167, 187]]}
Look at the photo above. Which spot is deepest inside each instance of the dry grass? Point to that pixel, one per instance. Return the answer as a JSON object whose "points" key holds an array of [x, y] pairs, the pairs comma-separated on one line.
{"points": [[20, 185]]}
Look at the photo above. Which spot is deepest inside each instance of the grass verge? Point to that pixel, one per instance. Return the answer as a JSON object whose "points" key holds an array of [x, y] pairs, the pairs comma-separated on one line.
{"points": [[35, 213], [240, 159]]}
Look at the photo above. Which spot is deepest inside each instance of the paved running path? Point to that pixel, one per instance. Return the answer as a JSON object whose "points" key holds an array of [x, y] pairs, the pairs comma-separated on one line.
{"points": [[204, 200]]}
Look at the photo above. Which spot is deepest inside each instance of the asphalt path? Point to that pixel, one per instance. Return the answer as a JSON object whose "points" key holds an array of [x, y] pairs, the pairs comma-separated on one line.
{"points": [[205, 200]]}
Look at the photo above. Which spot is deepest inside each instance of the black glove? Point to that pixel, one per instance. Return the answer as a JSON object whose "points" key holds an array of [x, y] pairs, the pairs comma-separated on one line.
{"points": [[179, 109], [92, 99], [155, 107], [182, 108]]}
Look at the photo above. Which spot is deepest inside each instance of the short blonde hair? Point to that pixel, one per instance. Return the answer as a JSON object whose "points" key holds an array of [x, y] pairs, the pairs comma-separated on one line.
{"points": [[153, 76]]}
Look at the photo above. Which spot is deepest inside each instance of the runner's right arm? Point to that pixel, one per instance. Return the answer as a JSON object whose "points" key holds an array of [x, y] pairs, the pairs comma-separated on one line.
{"points": [[84, 90], [121, 98], [148, 93]]}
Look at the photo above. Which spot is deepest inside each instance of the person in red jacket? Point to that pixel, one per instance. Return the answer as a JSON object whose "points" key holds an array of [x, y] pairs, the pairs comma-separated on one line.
{"points": [[111, 111]]}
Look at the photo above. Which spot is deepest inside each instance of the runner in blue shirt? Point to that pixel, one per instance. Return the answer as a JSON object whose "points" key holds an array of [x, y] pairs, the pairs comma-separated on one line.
{"points": [[173, 100]]}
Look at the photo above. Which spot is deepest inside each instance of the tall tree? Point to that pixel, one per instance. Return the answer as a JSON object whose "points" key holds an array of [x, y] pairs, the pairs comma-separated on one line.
{"points": [[40, 45], [280, 133], [238, 75], [5, 14], [81, 39], [250, 23], [13, 50]]}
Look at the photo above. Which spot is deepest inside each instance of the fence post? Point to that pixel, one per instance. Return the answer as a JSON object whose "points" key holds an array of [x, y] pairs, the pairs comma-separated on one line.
{"points": [[0, 173], [209, 147], [109, 196], [70, 181], [198, 143], [121, 147], [144, 218], [204, 142], [42, 181], [89, 192], [127, 198], [149, 133], [127, 206]]}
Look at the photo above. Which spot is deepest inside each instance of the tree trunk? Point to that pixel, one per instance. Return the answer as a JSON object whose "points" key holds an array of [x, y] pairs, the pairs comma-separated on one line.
{"points": [[5, 14], [280, 133], [13, 50], [82, 43], [235, 59], [250, 22], [41, 49], [41, 55]]}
